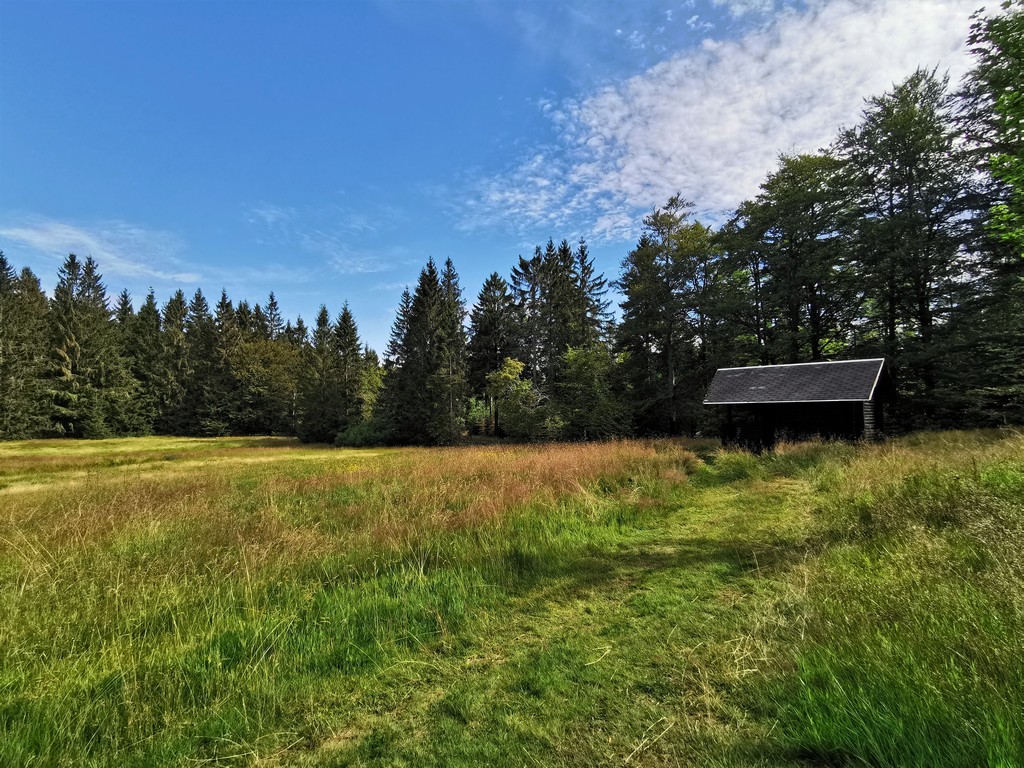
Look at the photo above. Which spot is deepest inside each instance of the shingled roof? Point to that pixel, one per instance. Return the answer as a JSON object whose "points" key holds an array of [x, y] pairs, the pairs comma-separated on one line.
{"points": [[844, 380]]}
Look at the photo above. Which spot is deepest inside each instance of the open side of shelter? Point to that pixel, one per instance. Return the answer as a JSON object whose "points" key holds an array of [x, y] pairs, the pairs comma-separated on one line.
{"points": [[836, 400]]}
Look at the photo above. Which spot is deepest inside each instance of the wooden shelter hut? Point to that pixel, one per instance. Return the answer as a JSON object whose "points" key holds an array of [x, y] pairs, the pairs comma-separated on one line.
{"points": [[834, 400]]}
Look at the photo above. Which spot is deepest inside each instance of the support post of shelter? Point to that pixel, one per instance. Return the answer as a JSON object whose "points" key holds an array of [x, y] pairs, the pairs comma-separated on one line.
{"points": [[870, 426]]}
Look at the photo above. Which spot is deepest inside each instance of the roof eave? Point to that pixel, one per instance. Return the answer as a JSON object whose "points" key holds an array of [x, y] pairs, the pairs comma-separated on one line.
{"points": [[781, 402]]}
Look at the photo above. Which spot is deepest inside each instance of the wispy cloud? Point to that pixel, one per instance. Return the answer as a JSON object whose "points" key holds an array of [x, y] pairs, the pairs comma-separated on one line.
{"points": [[740, 8], [122, 249], [710, 122], [396, 287], [332, 232], [270, 215]]}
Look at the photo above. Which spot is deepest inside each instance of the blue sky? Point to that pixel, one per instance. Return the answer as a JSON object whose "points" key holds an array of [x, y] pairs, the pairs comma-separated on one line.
{"points": [[324, 150]]}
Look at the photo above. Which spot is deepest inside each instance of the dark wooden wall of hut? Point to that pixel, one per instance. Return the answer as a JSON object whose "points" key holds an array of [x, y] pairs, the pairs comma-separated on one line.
{"points": [[760, 426]]}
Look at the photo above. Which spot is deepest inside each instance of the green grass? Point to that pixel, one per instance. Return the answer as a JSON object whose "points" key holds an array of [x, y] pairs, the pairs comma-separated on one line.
{"points": [[236, 602], [912, 636]]}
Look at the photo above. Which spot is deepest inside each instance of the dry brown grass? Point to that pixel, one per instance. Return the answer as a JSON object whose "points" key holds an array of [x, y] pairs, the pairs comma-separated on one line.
{"points": [[297, 502]]}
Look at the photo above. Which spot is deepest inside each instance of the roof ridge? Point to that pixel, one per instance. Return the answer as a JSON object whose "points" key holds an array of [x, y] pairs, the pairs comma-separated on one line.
{"points": [[813, 362]]}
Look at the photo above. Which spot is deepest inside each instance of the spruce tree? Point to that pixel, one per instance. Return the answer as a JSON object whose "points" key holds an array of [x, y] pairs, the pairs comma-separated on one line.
{"points": [[128, 414], [225, 388], [593, 318], [244, 318], [23, 359], [796, 226], [89, 383], [527, 288], [656, 332], [275, 323], [494, 327], [448, 384], [174, 418], [201, 413], [349, 352], [146, 362], [423, 397], [318, 404], [259, 324]]}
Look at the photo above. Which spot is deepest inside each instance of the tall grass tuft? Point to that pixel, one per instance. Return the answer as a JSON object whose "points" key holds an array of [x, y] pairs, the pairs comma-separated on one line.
{"points": [[911, 650]]}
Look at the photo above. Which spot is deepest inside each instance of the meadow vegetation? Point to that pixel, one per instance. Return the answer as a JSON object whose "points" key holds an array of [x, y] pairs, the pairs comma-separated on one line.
{"points": [[257, 602]]}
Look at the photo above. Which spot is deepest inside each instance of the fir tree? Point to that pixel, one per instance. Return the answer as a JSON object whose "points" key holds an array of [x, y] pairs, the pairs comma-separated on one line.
{"points": [[593, 319], [275, 323], [146, 364], [318, 404], [423, 396], [174, 418], [528, 292], [448, 384], [350, 370], [656, 332], [89, 376], [128, 415], [201, 395], [494, 327], [23, 361], [225, 388]]}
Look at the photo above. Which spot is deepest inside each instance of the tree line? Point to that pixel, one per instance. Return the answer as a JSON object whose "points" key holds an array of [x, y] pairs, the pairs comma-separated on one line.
{"points": [[904, 238]]}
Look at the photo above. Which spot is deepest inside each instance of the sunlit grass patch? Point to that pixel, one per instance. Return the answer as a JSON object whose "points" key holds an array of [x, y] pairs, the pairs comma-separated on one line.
{"points": [[910, 649]]}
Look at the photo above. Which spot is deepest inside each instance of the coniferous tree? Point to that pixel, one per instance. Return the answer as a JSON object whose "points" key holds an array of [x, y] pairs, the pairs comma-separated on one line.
{"points": [[259, 323], [145, 361], [318, 405], [174, 417], [559, 309], [89, 383], [127, 416], [494, 327], [656, 333], [448, 383], [407, 412], [423, 396], [350, 363], [244, 318], [296, 333], [201, 412], [526, 283], [23, 360], [560, 304], [275, 323], [225, 389], [594, 321], [399, 330]]}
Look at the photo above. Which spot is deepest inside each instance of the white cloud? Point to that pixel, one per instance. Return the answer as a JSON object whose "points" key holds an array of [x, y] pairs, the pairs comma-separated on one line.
{"points": [[270, 215], [739, 8], [331, 232], [121, 249], [710, 122]]}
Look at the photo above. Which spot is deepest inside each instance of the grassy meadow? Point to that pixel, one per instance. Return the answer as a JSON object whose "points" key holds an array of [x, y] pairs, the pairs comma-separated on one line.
{"points": [[256, 602]]}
